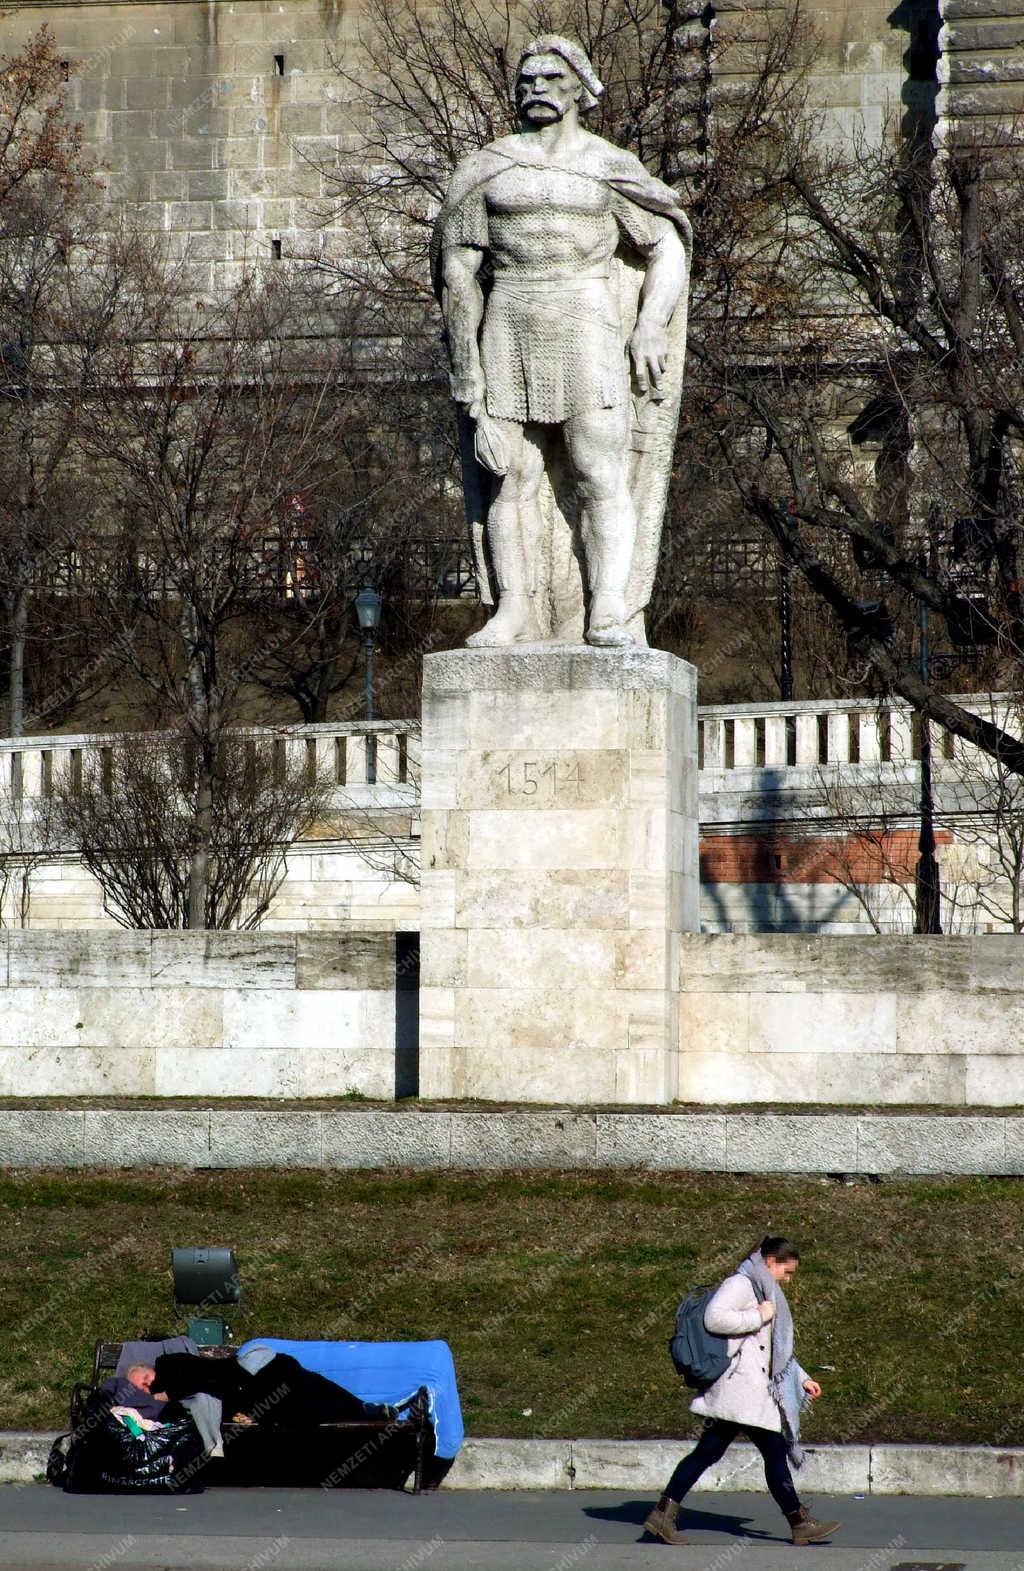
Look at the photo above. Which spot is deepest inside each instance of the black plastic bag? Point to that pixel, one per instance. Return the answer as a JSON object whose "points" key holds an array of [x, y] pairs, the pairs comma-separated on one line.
{"points": [[103, 1455]]}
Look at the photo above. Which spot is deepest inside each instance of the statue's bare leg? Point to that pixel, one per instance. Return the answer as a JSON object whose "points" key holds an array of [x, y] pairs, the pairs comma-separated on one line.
{"points": [[597, 446], [513, 535]]}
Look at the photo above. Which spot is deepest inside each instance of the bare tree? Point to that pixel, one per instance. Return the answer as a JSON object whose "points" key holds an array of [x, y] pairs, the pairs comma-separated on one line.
{"points": [[887, 420], [30, 836], [873, 815], [134, 814], [204, 426], [868, 841], [984, 808], [58, 285], [389, 502]]}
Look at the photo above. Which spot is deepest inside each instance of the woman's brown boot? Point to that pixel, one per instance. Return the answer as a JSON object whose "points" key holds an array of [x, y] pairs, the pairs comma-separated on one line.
{"points": [[662, 1522], [806, 1530]]}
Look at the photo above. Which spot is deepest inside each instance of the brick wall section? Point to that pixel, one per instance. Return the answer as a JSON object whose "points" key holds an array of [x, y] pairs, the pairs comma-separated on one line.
{"points": [[780, 858]]}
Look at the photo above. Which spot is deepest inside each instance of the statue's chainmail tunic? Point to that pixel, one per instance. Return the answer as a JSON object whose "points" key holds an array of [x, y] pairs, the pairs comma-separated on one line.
{"points": [[552, 349]]}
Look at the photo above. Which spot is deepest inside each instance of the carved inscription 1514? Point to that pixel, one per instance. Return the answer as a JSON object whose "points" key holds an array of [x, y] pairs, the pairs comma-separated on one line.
{"points": [[551, 776]]}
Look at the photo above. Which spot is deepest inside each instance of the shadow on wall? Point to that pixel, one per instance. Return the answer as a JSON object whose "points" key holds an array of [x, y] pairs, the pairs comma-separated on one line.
{"points": [[773, 891], [921, 21], [772, 908], [407, 1014]]}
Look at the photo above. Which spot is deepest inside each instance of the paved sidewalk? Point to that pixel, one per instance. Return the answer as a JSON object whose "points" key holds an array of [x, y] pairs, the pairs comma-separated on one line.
{"points": [[582, 1530]]}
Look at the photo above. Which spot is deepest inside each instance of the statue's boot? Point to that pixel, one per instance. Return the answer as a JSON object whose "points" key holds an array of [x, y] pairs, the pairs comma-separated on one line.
{"points": [[514, 622], [607, 625]]}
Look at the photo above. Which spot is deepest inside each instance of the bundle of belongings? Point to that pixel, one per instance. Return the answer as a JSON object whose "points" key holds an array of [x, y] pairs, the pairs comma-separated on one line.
{"points": [[156, 1424]]}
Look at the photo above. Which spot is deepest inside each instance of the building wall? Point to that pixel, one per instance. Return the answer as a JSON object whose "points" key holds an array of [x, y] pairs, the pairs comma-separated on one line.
{"points": [[205, 111], [196, 127], [206, 116]]}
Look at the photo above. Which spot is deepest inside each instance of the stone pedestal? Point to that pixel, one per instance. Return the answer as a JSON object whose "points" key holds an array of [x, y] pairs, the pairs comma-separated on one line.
{"points": [[559, 803]]}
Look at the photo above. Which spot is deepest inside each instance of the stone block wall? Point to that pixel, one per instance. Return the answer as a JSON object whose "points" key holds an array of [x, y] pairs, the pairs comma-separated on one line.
{"points": [[328, 886], [818, 1018], [982, 65], [208, 118], [201, 1014], [864, 1021]]}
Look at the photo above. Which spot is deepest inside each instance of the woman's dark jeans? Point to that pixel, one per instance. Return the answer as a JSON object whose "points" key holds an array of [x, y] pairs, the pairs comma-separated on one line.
{"points": [[716, 1437]]}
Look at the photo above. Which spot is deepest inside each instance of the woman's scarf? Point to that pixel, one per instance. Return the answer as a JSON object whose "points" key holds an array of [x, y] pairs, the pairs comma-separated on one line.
{"points": [[785, 1383]]}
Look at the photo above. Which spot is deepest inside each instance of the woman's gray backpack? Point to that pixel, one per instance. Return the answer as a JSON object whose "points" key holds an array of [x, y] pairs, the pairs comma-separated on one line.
{"points": [[698, 1354]]}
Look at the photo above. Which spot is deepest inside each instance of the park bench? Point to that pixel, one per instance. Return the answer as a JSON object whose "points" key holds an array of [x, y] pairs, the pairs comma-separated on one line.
{"points": [[412, 1427]]}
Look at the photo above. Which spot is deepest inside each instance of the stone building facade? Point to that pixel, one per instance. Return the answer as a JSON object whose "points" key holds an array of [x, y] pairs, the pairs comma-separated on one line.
{"points": [[210, 119], [206, 118]]}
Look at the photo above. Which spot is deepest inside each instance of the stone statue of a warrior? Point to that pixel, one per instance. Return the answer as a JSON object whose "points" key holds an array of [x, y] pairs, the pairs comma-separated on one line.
{"points": [[562, 269]]}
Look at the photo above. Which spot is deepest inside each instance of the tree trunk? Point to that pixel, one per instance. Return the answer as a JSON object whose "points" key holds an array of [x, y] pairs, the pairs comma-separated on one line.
{"points": [[205, 728], [199, 868], [321, 697], [18, 628]]}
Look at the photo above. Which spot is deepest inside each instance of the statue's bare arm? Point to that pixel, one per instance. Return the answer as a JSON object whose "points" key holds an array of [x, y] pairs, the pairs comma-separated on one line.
{"points": [[664, 282], [462, 306]]}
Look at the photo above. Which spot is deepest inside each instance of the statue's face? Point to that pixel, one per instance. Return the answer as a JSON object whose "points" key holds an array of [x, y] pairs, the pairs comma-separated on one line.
{"points": [[546, 89]]}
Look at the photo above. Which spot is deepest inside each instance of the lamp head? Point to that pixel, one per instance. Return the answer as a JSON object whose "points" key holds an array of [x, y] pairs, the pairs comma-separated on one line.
{"points": [[367, 604]]}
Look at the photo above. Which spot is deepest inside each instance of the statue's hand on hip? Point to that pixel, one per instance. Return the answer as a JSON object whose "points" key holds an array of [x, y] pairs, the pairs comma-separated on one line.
{"points": [[648, 349]]}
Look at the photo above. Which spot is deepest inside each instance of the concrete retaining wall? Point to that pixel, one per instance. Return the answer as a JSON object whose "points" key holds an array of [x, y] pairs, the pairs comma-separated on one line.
{"points": [[198, 1014], [873, 1144], [822, 1018], [773, 1018]]}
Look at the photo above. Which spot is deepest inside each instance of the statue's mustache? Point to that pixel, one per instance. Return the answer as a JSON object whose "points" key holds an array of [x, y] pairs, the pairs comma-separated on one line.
{"points": [[540, 103]]}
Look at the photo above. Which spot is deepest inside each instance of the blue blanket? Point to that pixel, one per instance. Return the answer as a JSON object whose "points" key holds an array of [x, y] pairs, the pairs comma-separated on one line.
{"points": [[387, 1372]]}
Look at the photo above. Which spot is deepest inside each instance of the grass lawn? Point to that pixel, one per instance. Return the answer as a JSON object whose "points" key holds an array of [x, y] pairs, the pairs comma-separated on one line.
{"points": [[556, 1291]]}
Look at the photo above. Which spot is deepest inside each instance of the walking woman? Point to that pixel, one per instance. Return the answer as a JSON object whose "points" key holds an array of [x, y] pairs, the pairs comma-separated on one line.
{"points": [[760, 1394]]}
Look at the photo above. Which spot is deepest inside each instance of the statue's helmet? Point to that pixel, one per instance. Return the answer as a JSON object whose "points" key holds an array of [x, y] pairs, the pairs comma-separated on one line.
{"points": [[575, 56]]}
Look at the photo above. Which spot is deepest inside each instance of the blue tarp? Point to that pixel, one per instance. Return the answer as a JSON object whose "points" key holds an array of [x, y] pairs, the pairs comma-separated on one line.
{"points": [[386, 1372]]}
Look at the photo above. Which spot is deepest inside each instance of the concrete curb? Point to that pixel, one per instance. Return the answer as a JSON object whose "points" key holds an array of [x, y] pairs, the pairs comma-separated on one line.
{"points": [[986, 1472], [876, 1144]]}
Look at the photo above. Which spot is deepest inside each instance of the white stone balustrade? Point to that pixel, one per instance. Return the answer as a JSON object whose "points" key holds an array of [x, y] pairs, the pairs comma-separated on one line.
{"points": [[30, 766], [770, 746], [792, 741], [761, 764]]}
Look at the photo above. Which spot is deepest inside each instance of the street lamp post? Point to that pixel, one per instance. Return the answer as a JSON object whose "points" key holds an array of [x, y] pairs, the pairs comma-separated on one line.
{"points": [[927, 877], [367, 604], [786, 641], [785, 635]]}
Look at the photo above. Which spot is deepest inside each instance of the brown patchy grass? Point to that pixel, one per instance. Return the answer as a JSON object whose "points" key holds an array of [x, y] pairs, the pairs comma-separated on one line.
{"points": [[555, 1291]]}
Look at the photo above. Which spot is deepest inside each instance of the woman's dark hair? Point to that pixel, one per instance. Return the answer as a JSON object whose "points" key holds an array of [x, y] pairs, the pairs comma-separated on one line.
{"points": [[779, 1248]]}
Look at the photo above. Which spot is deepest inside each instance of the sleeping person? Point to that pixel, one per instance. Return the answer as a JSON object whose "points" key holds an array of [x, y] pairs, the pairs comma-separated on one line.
{"points": [[271, 1387]]}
